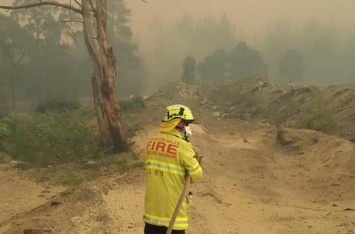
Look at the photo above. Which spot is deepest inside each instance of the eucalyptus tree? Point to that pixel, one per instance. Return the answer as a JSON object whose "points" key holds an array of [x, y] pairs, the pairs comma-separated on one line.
{"points": [[189, 70], [94, 23], [291, 66], [246, 61], [49, 68], [214, 66], [120, 35], [14, 43]]}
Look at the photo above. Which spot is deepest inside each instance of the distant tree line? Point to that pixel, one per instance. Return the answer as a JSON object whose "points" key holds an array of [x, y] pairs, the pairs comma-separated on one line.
{"points": [[313, 53], [41, 57], [242, 61], [168, 45], [316, 53]]}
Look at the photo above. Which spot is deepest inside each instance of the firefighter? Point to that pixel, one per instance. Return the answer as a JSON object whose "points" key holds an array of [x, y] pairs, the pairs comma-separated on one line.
{"points": [[169, 157]]}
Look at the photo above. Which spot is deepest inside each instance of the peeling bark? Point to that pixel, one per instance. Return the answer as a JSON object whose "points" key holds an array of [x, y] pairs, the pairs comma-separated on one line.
{"points": [[103, 80], [94, 13]]}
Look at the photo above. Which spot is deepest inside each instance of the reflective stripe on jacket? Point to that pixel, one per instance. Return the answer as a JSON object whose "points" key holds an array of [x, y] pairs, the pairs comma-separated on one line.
{"points": [[168, 157]]}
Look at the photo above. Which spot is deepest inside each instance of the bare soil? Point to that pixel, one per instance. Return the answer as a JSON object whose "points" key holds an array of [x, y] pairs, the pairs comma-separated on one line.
{"points": [[258, 179]]}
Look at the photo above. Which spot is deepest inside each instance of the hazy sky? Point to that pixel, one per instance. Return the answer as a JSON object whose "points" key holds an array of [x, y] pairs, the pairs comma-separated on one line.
{"points": [[248, 15]]}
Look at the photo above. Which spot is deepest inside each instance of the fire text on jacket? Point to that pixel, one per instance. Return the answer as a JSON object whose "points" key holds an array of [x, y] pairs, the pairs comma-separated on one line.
{"points": [[162, 147]]}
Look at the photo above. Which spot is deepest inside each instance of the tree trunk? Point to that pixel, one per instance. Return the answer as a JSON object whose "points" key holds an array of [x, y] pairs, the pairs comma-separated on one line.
{"points": [[103, 80], [105, 138], [94, 15]]}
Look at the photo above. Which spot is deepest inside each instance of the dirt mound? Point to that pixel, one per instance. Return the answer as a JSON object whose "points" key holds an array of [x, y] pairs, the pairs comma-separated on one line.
{"points": [[328, 109], [80, 211], [324, 165]]}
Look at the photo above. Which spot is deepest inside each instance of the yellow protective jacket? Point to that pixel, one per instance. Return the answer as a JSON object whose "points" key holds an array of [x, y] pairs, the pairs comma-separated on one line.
{"points": [[168, 157]]}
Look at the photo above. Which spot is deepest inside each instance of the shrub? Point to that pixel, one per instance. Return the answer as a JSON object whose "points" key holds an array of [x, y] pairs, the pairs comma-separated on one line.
{"points": [[4, 108], [214, 66], [317, 114], [57, 105], [291, 66], [50, 138], [4, 130], [189, 70], [245, 61], [133, 104]]}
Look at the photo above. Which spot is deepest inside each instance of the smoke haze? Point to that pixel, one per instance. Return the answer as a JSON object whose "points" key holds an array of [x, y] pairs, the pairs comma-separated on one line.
{"points": [[258, 22], [320, 32], [251, 16]]}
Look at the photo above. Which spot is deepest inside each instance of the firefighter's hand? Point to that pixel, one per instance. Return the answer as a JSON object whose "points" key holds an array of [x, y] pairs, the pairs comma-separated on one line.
{"points": [[198, 157]]}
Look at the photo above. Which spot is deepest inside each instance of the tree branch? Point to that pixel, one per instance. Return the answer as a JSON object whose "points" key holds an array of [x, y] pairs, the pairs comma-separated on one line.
{"points": [[72, 21], [22, 54], [42, 3], [77, 2]]}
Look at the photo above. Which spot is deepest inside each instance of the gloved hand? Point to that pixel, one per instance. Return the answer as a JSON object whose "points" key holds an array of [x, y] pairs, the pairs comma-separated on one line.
{"points": [[198, 157]]}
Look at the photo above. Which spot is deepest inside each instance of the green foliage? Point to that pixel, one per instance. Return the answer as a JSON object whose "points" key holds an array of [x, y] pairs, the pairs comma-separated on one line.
{"points": [[214, 66], [51, 67], [133, 104], [317, 114], [129, 64], [14, 43], [4, 108], [52, 71], [291, 67], [122, 162], [57, 105], [132, 126], [246, 61], [4, 130], [189, 70], [57, 176], [38, 63], [4, 133], [49, 138], [242, 61]]}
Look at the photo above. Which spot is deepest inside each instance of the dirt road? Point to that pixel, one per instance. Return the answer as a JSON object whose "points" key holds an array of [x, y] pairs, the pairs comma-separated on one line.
{"points": [[254, 183]]}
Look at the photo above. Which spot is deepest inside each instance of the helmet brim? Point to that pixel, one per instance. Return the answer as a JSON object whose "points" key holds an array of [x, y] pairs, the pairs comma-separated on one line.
{"points": [[169, 125]]}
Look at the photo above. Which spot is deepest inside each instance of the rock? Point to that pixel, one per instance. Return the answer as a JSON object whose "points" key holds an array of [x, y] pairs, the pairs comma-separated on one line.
{"points": [[18, 164], [55, 203], [92, 165], [203, 102], [283, 137], [216, 114], [91, 162]]}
